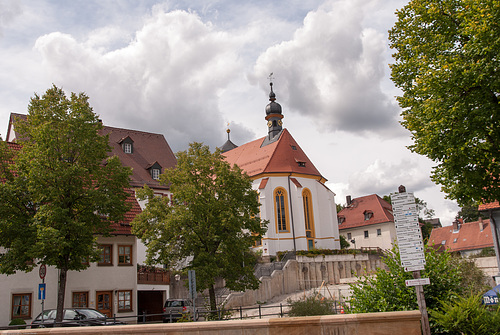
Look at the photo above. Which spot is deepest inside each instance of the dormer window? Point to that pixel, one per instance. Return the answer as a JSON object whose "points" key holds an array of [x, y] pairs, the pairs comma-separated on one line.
{"points": [[301, 163], [340, 219], [155, 170], [368, 215], [127, 145], [127, 148], [155, 174]]}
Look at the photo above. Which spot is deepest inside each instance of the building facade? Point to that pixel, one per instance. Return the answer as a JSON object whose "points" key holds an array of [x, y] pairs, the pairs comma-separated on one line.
{"points": [[367, 222], [118, 285], [294, 199]]}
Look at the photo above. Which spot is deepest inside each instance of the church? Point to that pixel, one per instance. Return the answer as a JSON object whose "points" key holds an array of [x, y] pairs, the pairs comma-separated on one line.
{"points": [[294, 199]]}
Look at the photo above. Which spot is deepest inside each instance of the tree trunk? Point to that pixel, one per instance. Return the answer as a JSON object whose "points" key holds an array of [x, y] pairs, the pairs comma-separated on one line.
{"points": [[61, 290], [213, 301]]}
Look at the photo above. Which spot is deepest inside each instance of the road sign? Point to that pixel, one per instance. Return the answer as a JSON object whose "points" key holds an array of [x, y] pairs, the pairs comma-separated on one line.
{"points": [[42, 271], [41, 291], [419, 281], [192, 284]]}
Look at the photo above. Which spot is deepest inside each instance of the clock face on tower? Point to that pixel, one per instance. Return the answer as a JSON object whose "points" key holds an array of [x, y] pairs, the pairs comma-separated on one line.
{"points": [[280, 123], [269, 123]]}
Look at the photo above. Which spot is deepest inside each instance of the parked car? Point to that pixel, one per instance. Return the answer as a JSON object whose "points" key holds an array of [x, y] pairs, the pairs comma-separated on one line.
{"points": [[174, 309], [74, 317]]}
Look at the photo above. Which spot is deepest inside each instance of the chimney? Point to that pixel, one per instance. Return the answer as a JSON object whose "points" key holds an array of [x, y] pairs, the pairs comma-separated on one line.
{"points": [[348, 200], [481, 224], [456, 225]]}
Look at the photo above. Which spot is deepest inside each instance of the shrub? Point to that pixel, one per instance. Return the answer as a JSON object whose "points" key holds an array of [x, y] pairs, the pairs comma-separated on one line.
{"points": [[17, 322], [312, 305], [466, 315]]}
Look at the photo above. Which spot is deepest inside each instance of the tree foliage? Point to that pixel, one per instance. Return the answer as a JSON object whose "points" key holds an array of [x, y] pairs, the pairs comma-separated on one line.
{"points": [[385, 291], [212, 221], [447, 66], [470, 213], [56, 193]]}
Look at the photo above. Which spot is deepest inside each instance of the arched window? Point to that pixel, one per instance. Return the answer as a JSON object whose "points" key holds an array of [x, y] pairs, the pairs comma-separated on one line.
{"points": [[281, 209], [308, 217]]}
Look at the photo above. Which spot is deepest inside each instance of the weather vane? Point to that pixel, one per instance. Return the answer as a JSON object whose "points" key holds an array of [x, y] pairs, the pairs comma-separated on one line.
{"points": [[271, 77]]}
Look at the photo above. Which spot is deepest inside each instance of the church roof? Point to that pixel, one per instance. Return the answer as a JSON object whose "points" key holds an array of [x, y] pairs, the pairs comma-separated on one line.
{"points": [[281, 156]]}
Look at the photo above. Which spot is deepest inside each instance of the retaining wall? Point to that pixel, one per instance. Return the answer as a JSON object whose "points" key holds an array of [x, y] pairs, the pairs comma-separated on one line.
{"points": [[407, 322]]}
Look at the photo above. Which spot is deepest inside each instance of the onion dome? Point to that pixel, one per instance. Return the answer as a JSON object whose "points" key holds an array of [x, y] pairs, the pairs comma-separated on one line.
{"points": [[273, 107]]}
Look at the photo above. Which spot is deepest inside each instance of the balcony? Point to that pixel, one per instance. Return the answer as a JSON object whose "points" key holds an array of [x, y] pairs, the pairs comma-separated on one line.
{"points": [[149, 275]]}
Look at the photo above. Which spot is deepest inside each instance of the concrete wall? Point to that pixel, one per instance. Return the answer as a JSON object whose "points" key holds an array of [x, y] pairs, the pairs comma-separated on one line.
{"points": [[306, 273], [407, 322]]}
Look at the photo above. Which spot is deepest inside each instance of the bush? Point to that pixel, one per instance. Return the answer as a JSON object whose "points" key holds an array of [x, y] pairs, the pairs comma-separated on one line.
{"points": [[466, 315], [17, 322], [313, 305]]}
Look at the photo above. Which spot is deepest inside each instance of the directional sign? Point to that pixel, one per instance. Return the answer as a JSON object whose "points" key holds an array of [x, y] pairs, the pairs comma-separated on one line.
{"points": [[408, 231], [419, 281]]}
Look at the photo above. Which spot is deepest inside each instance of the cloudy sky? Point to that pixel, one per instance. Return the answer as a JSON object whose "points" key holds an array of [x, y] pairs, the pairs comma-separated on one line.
{"points": [[186, 69]]}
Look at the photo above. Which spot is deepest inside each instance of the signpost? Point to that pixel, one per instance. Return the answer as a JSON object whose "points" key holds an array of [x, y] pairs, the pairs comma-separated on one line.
{"points": [[42, 289], [192, 290], [411, 248]]}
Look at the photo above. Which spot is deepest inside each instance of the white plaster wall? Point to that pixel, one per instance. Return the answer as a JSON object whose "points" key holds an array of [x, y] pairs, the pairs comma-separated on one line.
{"points": [[324, 211], [383, 241], [95, 278]]}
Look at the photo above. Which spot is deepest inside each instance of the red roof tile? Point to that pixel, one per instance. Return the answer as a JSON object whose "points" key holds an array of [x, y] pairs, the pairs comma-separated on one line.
{"points": [[468, 237], [282, 156], [123, 227], [490, 205], [354, 214]]}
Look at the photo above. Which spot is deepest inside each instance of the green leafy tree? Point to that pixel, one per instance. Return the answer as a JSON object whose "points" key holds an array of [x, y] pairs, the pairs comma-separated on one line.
{"points": [[344, 244], [447, 66], [59, 188], [386, 291], [470, 213], [212, 221]]}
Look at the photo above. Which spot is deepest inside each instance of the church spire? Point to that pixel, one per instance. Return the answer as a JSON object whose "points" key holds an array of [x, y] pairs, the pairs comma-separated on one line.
{"points": [[273, 114]]}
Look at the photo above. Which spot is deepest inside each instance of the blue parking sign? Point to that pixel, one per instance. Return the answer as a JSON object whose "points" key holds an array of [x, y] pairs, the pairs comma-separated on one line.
{"points": [[41, 291]]}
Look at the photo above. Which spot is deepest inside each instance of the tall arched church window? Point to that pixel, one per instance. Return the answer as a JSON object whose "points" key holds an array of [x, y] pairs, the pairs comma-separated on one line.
{"points": [[308, 217], [281, 209]]}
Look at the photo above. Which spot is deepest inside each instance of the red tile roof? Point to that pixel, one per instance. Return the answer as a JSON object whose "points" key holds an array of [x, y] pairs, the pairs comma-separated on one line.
{"points": [[282, 156], [468, 237], [490, 205], [354, 214], [148, 148], [123, 227]]}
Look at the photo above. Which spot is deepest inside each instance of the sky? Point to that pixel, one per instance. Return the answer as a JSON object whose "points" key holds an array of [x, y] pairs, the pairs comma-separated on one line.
{"points": [[188, 69]]}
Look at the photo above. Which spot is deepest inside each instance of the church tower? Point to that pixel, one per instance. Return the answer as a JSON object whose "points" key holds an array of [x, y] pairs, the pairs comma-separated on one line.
{"points": [[274, 118]]}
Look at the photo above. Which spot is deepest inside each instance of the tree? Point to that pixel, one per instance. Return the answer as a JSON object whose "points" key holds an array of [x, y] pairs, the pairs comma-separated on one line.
{"points": [[386, 290], [60, 189], [211, 222], [470, 213], [447, 66]]}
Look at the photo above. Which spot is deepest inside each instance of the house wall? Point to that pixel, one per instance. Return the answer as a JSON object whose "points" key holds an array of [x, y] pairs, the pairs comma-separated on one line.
{"points": [[326, 234], [95, 278], [384, 241]]}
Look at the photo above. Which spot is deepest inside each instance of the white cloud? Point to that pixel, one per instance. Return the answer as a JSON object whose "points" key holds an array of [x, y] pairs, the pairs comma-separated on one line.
{"points": [[9, 10], [167, 80], [384, 178], [332, 70]]}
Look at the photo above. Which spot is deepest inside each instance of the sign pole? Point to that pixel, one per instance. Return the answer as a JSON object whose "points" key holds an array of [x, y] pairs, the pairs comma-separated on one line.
{"points": [[411, 247], [42, 272], [422, 306]]}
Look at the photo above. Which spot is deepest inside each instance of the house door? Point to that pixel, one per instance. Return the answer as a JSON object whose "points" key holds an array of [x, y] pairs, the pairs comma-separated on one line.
{"points": [[104, 303]]}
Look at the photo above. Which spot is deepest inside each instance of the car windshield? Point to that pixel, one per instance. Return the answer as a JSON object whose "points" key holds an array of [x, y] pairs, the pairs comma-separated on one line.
{"points": [[47, 315], [91, 314], [174, 303]]}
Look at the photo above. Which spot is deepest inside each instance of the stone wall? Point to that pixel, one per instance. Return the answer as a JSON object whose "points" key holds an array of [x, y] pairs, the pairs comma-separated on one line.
{"points": [[390, 323], [306, 273]]}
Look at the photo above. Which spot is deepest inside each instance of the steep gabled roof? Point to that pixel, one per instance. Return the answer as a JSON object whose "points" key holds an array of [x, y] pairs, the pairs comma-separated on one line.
{"points": [[489, 206], [149, 148], [468, 237], [354, 214], [281, 156]]}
